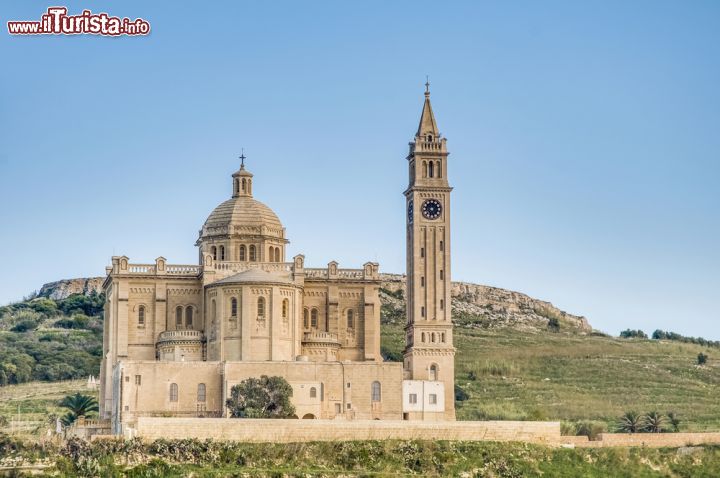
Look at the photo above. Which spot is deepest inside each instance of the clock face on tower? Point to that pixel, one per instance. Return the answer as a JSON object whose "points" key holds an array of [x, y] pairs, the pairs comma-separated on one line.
{"points": [[431, 209], [411, 205]]}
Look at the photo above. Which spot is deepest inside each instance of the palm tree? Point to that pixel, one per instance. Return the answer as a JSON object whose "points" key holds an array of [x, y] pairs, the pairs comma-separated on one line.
{"points": [[630, 422], [78, 405], [654, 422], [674, 421]]}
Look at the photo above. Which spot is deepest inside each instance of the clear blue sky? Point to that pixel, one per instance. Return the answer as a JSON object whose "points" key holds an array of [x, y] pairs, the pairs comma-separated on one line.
{"points": [[584, 139]]}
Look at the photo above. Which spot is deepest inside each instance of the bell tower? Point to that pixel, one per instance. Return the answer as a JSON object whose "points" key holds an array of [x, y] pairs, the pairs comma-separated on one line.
{"points": [[429, 353]]}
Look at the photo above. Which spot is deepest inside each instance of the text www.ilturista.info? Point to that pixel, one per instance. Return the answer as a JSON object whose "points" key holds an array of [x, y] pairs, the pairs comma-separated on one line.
{"points": [[57, 22]]}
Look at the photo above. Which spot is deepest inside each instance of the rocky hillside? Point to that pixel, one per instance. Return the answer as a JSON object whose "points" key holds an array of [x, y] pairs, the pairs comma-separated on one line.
{"points": [[474, 306], [62, 289], [481, 306]]}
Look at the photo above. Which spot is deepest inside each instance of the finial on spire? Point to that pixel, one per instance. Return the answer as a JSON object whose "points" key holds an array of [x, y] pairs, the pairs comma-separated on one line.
{"points": [[242, 158], [427, 85]]}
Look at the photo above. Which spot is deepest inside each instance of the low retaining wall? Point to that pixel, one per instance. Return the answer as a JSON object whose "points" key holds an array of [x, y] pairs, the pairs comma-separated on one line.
{"points": [[652, 440], [288, 431]]}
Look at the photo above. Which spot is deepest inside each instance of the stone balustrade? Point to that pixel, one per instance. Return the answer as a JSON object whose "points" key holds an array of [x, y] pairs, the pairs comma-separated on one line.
{"points": [[159, 269], [316, 273], [180, 335], [245, 265], [320, 336], [183, 269]]}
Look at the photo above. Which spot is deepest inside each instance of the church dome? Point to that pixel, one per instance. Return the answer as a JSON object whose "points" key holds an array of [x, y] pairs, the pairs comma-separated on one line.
{"points": [[241, 211], [242, 215]]}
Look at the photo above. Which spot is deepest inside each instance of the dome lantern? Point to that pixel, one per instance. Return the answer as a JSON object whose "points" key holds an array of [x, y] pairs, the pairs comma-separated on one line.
{"points": [[242, 180]]}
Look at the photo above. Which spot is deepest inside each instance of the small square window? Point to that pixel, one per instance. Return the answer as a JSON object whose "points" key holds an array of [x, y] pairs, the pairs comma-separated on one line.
{"points": [[348, 385], [433, 399], [127, 378], [127, 407], [138, 380], [413, 398], [349, 406]]}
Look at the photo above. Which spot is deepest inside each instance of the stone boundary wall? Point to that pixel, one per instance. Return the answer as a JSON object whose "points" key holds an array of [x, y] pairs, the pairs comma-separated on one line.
{"points": [[651, 440], [289, 431], [292, 431]]}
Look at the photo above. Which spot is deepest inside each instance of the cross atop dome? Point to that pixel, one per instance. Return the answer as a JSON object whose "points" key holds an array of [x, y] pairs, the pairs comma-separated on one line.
{"points": [[242, 158]]}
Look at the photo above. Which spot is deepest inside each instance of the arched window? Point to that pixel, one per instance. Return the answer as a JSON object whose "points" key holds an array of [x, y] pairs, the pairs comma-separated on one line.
{"points": [[429, 137], [173, 392], [252, 253], [236, 189], [222, 253], [442, 337], [201, 392], [422, 337], [442, 274], [442, 246], [261, 308], [442, 304], [285, 307], [277, 254], [233, 307], [141, 315], [424, 168], [350, 319], [213, 251], [433, 375], [243, 184], [242, 253], [314, 318], [313, 392], [178, 316], [376, 391], [422, 311], [432, 337], [430, 169], [305, 318], [439, 170], [189, 317], [422, 252]]}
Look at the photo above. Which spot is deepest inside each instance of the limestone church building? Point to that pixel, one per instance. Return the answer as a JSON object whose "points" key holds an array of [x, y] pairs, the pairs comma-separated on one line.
{"points": [[177, 338]]}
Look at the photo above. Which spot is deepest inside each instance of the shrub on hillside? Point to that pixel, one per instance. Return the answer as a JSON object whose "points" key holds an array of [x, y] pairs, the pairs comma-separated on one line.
{"points": [[663, 335], [77, 321], [24, 325], [87, 304], [554, 324], [702, 359], [47, 307], [633, 334], [588, 428], [460, 394]]}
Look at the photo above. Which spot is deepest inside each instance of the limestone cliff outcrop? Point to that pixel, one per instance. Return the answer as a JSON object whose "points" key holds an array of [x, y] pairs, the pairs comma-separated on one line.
{"points": [[481, 306], [63, 288], [474, 306]]}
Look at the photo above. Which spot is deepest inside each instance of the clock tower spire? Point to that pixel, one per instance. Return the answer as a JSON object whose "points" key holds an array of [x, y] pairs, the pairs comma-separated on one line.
{"points": [[429, 354]]}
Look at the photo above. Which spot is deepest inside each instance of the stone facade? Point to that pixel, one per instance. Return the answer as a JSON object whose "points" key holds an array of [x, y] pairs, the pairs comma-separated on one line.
{"points": [[177, 338]]}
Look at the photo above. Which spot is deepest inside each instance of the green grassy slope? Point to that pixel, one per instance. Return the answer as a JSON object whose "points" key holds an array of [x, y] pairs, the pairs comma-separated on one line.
{"points": [[563, 376]]}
